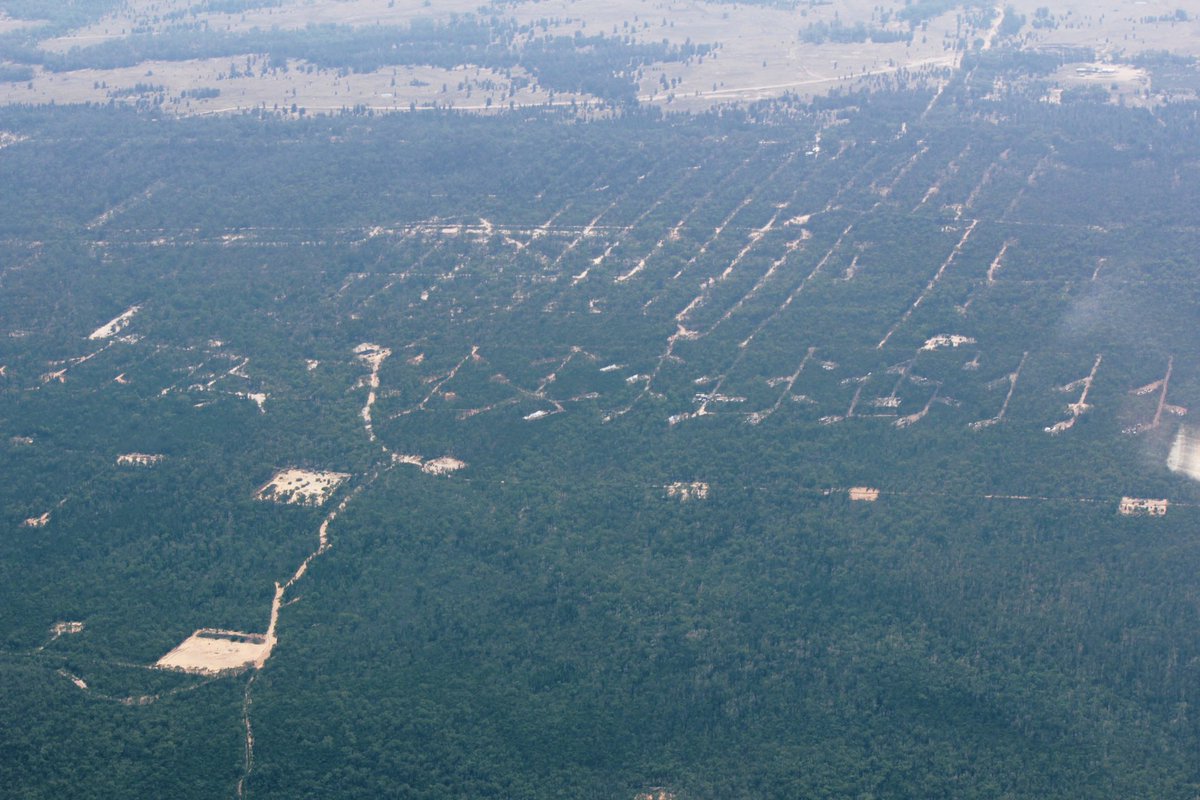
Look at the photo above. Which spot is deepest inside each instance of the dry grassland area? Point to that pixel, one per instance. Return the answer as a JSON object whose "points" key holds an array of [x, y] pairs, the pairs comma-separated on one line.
{"points": [[1114, 27], [314, 89], [8, 24], [760, 52]]}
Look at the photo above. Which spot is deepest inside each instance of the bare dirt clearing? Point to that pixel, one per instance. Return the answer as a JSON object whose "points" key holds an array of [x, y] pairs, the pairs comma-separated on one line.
{"points": [[60, 629], [8, 139], [685, 491], [442, 466], [116, 325], [1139, 506], [301, 487], [373, 356], [212, 651], [139, 459], [655, 794], [1123, 82], [1079, 407], [209, 652], [946, 340]]}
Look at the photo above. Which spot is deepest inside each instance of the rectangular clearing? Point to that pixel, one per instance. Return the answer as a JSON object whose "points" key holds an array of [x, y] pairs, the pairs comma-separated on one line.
{"points": [[301, 487], [210, 651]]}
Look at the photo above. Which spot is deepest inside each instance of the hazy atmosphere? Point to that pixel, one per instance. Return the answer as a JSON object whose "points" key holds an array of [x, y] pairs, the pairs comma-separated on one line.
{"points": [[640, 400]]}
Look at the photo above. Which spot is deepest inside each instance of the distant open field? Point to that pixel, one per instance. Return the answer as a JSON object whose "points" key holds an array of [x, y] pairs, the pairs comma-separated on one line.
{"points": [[1114, 27], [314, 89], [761, 52], [9, 24]]}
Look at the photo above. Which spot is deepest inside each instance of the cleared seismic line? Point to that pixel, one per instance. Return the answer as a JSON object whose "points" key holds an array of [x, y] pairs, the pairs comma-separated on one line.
{"points": [[373, 356], [324, 544]]}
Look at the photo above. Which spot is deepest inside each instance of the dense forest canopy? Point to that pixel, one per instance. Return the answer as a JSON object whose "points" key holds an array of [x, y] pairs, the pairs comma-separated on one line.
{"points": [[802, 448]]}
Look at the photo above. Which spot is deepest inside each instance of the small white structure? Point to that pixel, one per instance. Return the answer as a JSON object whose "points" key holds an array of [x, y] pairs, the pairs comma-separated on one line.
{"points": [[687, 491], [138, 459]]}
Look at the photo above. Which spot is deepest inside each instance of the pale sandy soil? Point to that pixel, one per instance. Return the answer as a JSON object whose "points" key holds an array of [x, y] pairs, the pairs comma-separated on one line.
{"points": [[301, 486], [1138, 506], [443, 465], [1079, 407], [116, 325], [79, 682], [209, 652], [63, 628], [373, 356], [258, 398], [946, 340], [139, 459], [685, 491], [656, 793], [438, 381], [913, 419], [37, 522], [998, 262], [1123, 82], [1011, 379], [864, 494]]}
